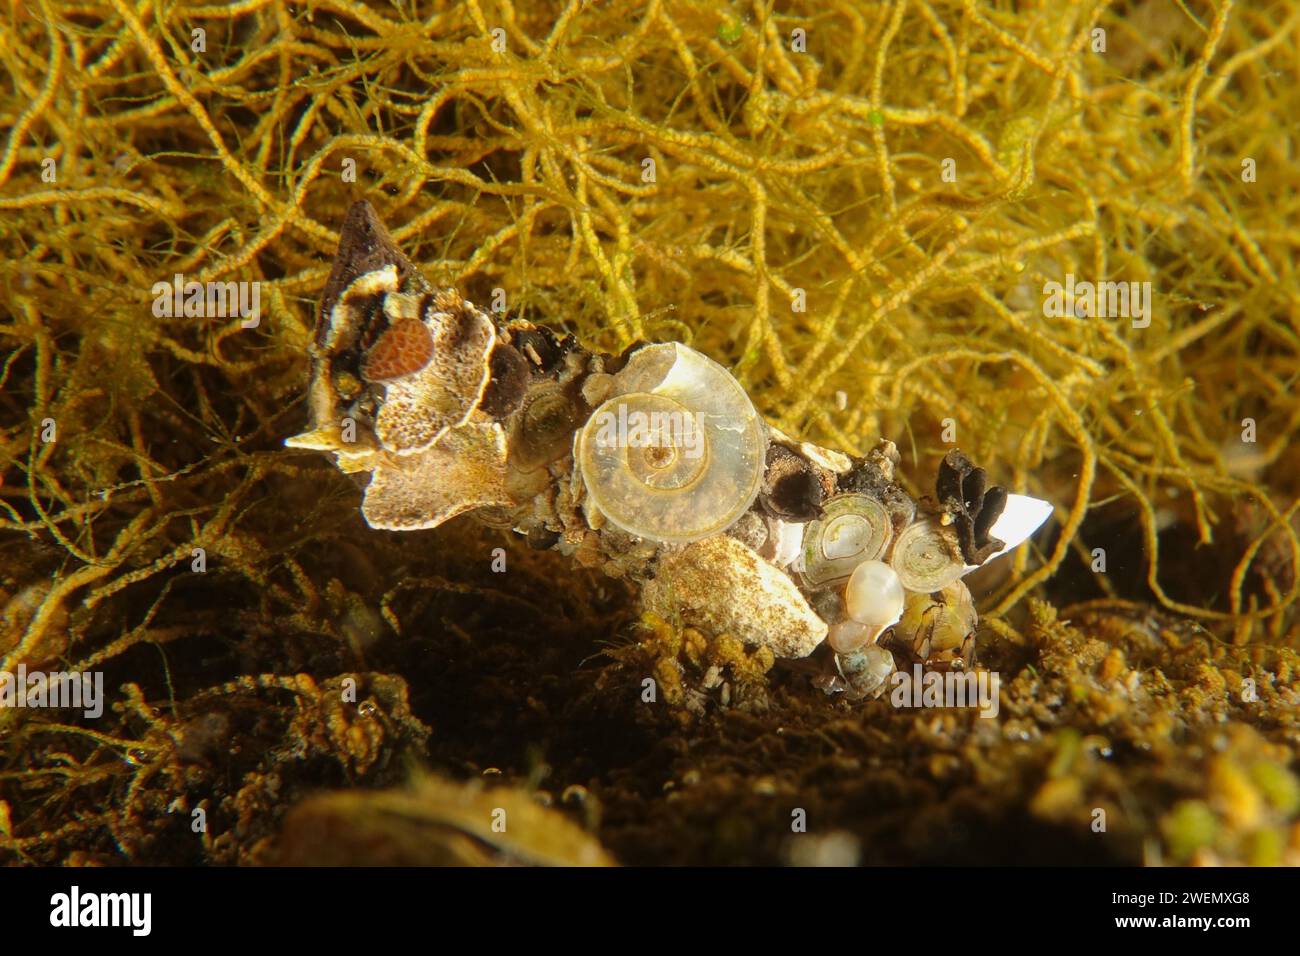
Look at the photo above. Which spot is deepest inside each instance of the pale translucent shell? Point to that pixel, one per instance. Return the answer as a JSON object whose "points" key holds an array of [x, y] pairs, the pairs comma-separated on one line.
{"points": [[874, 595], [700, 477], [866, 670], [925, 557], [848, 635], [853, 528]]}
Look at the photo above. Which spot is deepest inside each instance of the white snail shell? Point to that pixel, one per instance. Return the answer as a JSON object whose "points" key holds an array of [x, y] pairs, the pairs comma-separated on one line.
{"points": [[853, 528], [874, 595], [848, 635], [926, 558], [677, 452]]}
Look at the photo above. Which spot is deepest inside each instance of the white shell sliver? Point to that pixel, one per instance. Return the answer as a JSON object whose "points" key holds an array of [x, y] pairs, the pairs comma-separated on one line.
{"points": [[1021, 517]]}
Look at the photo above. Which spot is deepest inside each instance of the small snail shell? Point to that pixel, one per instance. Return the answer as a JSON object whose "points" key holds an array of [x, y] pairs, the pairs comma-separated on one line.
{"points": [[848, 635], [677, 452], [939, 626], [545, 427], [926, 558], [865, 671], [874, 595], [853, 528]]}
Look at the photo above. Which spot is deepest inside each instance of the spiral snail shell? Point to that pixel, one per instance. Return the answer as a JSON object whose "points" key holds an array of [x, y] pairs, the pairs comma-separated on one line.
{"points": [[853, 528], [676, 453], [925, 557]]}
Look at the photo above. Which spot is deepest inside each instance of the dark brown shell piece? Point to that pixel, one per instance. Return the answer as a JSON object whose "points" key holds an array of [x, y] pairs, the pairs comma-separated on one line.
{"points": [[792, 489], [542, 538], [544, 350], [509, 383], [963, 491], [364, 246], [404, 348]]}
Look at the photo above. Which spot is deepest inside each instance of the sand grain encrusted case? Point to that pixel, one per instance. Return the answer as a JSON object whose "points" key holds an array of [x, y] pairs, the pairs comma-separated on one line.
{"points": [[653, 465]]}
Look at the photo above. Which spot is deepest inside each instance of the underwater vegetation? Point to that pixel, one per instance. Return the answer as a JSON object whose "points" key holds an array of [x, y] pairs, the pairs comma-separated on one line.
{"points": [[1058, 237]]}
